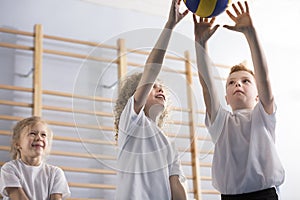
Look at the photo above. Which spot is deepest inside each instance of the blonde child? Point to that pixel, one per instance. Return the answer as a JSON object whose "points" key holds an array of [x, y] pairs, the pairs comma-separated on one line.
{"points": [[27, 176], [148, 163], [245, 163]]}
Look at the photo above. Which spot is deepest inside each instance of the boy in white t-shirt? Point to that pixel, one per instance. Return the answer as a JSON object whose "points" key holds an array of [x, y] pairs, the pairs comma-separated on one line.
{"points": [[245, 163], [148, 162], [27, 176]]}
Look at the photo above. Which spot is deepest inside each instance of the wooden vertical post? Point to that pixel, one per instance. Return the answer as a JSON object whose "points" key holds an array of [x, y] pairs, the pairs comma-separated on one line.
{"points": [[37, 74], [122, 57], [192, 124]]}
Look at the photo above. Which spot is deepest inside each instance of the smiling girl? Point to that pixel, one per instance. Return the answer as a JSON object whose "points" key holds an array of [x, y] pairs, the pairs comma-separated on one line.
{"points": [[27, 176]]}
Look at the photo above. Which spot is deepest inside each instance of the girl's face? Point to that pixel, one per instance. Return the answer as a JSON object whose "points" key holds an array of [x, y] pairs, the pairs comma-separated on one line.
{"points": [[241, 90], [33, 142], [156, 100]]}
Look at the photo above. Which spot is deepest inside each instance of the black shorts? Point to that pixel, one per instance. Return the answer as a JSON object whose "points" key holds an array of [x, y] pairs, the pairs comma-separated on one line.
{"points": [[267, 194]]}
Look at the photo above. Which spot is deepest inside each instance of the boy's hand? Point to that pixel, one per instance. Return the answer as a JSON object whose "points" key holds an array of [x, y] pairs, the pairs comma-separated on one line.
{"points": [[204, 29], [242, 19]]}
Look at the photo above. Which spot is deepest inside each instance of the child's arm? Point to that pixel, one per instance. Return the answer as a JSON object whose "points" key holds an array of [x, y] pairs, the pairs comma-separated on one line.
{"points": [[244, 24], [177, 189], [16, 193], [56, 197], [203, 31], [154, 62]]}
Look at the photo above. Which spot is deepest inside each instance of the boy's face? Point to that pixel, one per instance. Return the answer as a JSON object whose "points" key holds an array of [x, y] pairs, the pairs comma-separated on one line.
{"points": [[241, 90], [33, 142]]}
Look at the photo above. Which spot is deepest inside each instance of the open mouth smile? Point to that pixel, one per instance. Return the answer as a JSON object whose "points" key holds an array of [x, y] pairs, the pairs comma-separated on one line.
{"points": [[161, 96]]}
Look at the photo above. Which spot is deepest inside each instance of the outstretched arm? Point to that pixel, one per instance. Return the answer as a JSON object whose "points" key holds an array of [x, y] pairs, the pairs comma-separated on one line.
{"points": [[154, 62], [243, 24], [204, 29]]}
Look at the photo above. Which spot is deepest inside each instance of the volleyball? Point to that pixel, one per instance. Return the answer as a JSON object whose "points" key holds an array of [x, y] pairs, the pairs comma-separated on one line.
{"points": [[207, 8]]}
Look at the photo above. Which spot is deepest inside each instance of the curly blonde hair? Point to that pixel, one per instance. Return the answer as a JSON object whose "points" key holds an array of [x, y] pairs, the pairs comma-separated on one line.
{"points": [[25, 125], [127, 88]]}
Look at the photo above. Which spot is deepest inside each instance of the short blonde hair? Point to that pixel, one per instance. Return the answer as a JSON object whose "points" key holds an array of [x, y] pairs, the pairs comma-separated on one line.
{"points": [[20, 127], [127, 88]]}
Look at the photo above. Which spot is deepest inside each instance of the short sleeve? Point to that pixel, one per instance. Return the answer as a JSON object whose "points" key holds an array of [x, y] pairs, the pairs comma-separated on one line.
{"points": [[8, 178], [176, 168], [215, 128], [129, 120], [268, 119], [60, 184]]}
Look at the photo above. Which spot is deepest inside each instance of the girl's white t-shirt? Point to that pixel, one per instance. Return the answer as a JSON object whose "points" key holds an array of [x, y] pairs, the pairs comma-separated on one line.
{"points": [[245, 157], [146, 158], [38, 182]]}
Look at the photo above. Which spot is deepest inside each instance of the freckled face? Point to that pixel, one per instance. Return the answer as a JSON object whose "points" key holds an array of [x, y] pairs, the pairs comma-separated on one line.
{"points": [[241, 90]]}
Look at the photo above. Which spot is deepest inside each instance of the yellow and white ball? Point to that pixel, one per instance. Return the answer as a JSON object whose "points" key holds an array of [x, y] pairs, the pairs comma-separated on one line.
{"points": [[207, 8]]}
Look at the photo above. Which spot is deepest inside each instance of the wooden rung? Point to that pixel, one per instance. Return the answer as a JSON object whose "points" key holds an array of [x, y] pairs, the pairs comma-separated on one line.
{"points": [[178, 123], [79, 56], [180, 109], [202, 164], [65, 94], [206, 178], [173, 135], [83, 170], [16, 46], [72, 154], [83, 155], [13, 103], [84, 140], [89, 170], [10, 118], [92, 185], [210, 192], [4, 132], [72, 139], [4, 148], [201, 125], [141, 65], [137, 51], [17, 88], [64, 109], [205, 152], [13, 31], [79, 42], [83, 199], [68, 124], [59, 123]]}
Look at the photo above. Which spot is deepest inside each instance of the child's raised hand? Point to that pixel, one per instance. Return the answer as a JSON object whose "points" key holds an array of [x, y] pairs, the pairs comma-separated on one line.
{"points": [[242, 19], [174, 15], [203, 29]]}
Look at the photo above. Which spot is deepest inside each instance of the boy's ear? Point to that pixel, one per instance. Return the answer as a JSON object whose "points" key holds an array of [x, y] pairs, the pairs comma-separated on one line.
{"points": [[256, 98]]}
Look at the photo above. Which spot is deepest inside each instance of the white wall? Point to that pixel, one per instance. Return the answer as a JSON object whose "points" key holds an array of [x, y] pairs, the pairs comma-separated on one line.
{"points": [[279, 37]]}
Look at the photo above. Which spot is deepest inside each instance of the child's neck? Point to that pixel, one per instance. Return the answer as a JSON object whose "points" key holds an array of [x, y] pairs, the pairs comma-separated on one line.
{"points": [[32, 161]]}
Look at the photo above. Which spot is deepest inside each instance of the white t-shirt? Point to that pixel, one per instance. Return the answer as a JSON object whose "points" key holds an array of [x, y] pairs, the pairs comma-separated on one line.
{"points": [[245, 158], [38, 182], [146, 158]]}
